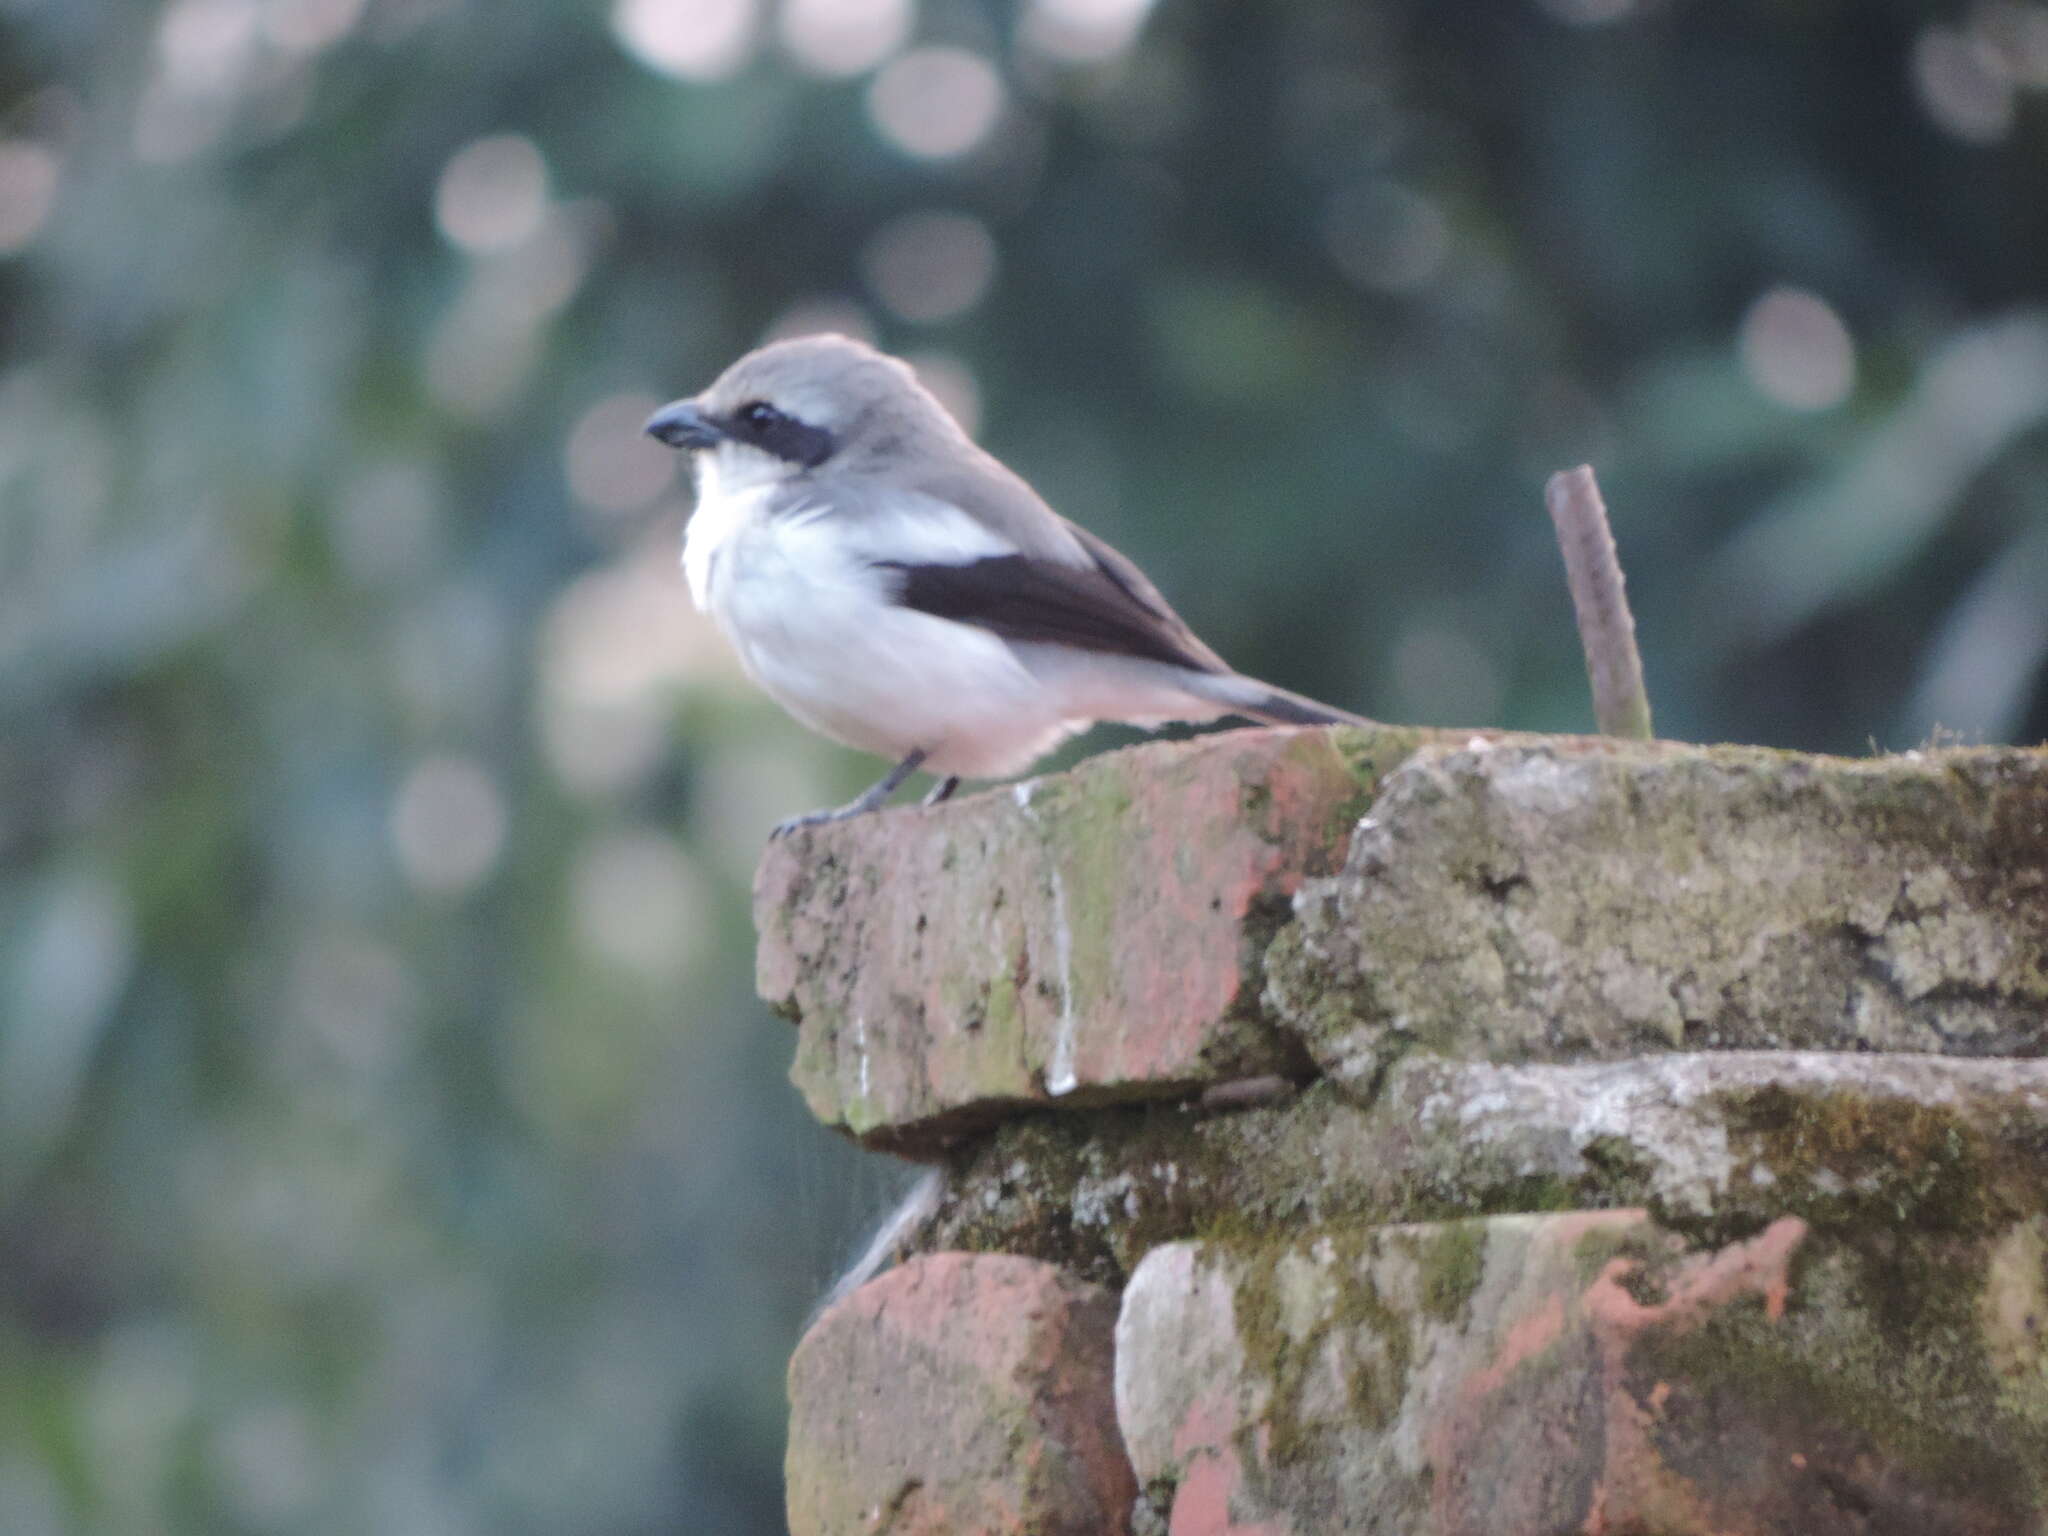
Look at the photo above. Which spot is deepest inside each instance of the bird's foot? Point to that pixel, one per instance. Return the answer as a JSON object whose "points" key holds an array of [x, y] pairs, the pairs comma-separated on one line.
{"points": [[943, 790], [811, 819], [871, 800]]}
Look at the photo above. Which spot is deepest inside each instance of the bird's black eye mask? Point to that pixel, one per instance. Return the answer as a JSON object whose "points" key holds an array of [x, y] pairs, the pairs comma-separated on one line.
{"points": [[762, 426]]}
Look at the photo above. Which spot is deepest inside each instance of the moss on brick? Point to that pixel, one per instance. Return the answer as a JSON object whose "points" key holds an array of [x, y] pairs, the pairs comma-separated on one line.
{"points": [[1294, 1347], [1568, 906], [1881, 1349], [1844, 1159], [1084, 815], [1453, 1262]]}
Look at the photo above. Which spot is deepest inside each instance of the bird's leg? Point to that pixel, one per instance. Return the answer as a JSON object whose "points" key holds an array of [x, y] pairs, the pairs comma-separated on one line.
{"points": [[943, 790], [860, 805]]}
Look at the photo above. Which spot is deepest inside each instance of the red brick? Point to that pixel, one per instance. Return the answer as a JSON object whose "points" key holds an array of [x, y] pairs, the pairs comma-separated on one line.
{"points": [[1589, 1372], [960, 1393], [1089, 936]]}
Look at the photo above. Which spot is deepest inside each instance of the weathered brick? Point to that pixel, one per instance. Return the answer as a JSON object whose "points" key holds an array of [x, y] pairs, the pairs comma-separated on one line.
{"points": [[959, 1393], [1576, 899], [1750, 991], [1590, 1372], [1091, 936], [1719, 1142]]}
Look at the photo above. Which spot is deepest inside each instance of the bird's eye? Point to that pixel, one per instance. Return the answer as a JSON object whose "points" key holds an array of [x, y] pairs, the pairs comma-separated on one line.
{"points": [[762, 426]]}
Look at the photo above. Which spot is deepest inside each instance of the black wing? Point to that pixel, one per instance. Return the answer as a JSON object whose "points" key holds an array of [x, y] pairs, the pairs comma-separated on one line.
{"points": [[1105, 606]]}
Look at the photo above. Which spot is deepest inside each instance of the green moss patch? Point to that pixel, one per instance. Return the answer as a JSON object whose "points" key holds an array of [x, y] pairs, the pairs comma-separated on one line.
{"points": [[1847, 1159], [1878, 1367], [1453, 1261], [1315, 1329]]}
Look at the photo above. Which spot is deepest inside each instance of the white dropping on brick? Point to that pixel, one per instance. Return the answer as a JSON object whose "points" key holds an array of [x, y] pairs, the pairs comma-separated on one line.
{"points": [[860, 1047], [1059, 1071]]}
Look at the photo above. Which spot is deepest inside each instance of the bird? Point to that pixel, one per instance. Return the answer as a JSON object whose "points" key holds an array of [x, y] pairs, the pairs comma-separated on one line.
{"points": [[897, 588]]}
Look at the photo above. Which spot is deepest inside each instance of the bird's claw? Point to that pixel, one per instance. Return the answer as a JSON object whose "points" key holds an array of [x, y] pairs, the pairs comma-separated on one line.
{"points": [[808, 819], [873, 800]]}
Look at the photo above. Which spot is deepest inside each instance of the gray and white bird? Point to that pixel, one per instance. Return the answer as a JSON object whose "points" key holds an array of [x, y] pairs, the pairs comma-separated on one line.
{"points": [[898, 589]]}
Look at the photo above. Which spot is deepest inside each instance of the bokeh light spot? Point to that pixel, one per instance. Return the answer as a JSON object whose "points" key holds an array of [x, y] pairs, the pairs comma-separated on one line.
{"points": [[481, 351], [936, 103], [308, 26], [448, 825], [28, 190], [1797, 351], [1385, 236], [689, 39], [206, 45], [836, 38], [821, 316], [73, 951], [1081, 31], [493, 193], [613, 650], [1963, 84], [604, 746], [927, 267], [637, 901], [207, 51], [612, 465], [2018, 29]]}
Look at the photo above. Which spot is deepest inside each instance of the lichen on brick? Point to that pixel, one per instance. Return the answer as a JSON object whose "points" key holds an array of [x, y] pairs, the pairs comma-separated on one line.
{"points": [[1559, 900], [1330, 1351], [1844, 1158], [2013, 1315], [1451, 1264], [1879, 1369]]}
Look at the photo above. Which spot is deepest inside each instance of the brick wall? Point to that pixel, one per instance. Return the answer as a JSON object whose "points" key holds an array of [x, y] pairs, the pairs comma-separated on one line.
{"points": [[1422, 1132]]}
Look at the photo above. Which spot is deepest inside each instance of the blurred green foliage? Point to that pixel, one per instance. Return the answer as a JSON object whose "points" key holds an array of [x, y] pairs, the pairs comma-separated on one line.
{"points": [[389, 1140]]}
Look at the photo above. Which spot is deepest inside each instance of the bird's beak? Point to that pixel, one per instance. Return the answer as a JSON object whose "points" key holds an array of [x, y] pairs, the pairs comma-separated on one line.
{"points": [[681, 424]]}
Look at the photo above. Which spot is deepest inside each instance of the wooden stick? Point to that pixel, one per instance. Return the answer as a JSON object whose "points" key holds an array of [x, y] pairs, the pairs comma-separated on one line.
{"points": [[1606, 627]]}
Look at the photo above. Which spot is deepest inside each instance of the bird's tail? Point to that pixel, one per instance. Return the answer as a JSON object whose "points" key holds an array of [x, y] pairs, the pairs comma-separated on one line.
{"points": [[1255, 700], [896, 1232]]}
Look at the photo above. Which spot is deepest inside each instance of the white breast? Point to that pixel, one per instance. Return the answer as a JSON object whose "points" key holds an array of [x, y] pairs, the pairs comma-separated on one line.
{"points": [[795, 588]]}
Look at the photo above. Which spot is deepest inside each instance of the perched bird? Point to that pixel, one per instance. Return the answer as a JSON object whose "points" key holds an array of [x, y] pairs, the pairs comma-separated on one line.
{"points": [[899, 590]]}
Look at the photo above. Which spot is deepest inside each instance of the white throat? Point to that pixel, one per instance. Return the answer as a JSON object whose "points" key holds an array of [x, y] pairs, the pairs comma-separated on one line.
{"points": [[735, 469]]}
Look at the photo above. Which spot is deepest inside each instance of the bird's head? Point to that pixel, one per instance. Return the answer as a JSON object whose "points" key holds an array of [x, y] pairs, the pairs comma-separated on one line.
{"points": [[800, 407]]}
